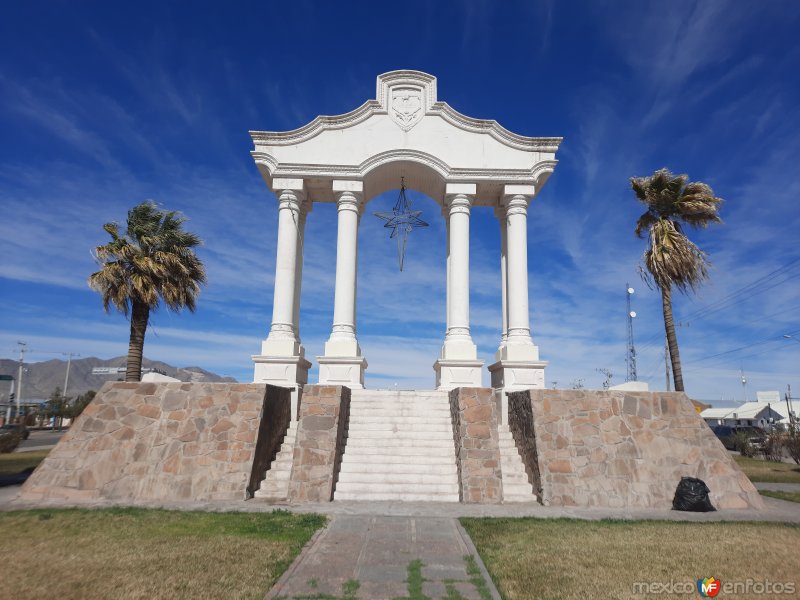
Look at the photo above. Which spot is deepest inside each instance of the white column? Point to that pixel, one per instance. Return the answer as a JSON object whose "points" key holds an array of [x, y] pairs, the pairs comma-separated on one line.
{"points": [[282, 360], [458, 364], [343, 340], [305, 208], [342, 363], [445, 210], [458, 342], [519, 345], [518, 366], [500, 213], [283, 337]]}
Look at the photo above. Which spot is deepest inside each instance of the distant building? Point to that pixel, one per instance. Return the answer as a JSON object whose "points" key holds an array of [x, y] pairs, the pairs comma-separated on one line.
{"points": [[767, 410]]}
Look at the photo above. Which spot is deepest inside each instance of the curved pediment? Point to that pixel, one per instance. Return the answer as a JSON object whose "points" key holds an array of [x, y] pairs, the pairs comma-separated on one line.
{"points": [[406, 124]]}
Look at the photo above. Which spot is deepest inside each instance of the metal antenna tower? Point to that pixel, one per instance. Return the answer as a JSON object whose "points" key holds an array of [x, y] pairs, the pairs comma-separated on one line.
{"points": [[630, 356]]}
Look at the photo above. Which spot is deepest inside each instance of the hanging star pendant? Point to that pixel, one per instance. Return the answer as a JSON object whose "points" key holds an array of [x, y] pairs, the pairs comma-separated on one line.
{"points": [[401, 220]]}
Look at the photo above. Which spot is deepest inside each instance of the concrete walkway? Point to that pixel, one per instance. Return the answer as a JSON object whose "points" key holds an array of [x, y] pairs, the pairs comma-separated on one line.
{"points": [[387, 557], [778, 487]]}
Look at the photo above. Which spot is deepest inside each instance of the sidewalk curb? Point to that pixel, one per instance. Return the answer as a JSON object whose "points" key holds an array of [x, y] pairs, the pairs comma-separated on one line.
{"points": [[478, 561], [310, 546]]}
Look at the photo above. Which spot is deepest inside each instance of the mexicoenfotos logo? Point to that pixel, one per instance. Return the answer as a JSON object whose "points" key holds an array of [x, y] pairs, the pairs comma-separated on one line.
{"points": [[708, 587]]}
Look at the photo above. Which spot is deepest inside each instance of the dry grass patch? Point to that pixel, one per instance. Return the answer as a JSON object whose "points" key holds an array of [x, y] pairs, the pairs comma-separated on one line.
{"points": [[145, 554], [18, 461], [565, 558], [767, 471]]}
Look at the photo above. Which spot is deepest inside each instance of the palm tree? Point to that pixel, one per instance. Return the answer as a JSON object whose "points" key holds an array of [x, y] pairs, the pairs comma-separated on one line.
{"points": [[154, 260], [671, 259]]}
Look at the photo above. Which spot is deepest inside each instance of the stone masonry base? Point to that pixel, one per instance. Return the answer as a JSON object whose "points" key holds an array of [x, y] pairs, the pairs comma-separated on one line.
{"points": [[162, 441], [621, 449]]}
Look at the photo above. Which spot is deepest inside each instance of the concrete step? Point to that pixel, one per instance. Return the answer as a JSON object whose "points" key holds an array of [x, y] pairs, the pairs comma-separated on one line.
{"points": [[411, 451], [395, 496], [427, 412], [400, 435], [399, 442], [398, 393], [390, 425], [390, 456], [515, 478], [381, 480], [362, 419], [516, 487], [399, 468], [354, 487]]}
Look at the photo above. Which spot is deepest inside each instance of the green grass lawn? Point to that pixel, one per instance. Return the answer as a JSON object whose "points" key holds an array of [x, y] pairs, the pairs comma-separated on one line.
{"points": [[790, 496], [145, 554], [566, 559], [772, 472], [15, 462]]}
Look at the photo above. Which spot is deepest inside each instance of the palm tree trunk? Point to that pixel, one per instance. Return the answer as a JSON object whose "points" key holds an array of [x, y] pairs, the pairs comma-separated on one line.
{"points": [[672, 339], [140, 313]]}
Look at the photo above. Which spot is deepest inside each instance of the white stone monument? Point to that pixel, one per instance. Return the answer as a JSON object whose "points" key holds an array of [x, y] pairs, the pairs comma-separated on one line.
{"points": [[459, 162]]}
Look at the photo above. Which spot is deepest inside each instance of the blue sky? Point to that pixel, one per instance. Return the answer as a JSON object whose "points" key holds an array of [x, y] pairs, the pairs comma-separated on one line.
{"points": [[104, 105]]}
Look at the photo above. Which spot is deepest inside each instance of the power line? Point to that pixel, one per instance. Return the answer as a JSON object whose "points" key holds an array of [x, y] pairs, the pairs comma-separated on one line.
{"points": [[756, 287]]}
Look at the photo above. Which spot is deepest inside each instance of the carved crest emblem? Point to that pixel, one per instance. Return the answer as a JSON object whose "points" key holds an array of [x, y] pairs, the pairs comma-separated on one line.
{"points": [[406, 109]]}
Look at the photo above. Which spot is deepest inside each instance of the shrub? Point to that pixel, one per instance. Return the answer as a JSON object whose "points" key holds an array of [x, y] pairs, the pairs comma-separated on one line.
{"points": [[741, 443], [9, 441], [792, 444], [772, 449]]}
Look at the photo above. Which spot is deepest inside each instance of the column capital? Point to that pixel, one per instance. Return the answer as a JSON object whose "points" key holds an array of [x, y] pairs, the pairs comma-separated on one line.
{"points": [[294, 199], [516, 204], [457, 203], [347, 200]]}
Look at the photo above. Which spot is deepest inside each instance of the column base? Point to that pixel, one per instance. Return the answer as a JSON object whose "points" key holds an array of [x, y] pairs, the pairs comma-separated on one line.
{"points": [[451, 374], [514, 376], [285, 371], [516, 351], [342, 370]]}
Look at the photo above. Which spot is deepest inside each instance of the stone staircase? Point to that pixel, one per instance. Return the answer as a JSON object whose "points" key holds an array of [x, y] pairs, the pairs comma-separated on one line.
{"points": [[275, 486], [515, 480], [399, 447]]}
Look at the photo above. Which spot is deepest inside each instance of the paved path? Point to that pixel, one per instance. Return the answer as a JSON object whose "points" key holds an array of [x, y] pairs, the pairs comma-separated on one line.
{"points": [[379, 558], [778, 487]]}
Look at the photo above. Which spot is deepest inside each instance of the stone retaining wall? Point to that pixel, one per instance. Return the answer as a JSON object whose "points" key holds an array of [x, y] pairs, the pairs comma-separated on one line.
{"points": [[158, 441], [474, 415], [627, 449], [321, 438]]}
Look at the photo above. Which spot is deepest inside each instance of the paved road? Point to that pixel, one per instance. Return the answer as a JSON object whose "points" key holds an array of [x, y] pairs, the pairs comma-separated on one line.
{"points": [[40, 440]]}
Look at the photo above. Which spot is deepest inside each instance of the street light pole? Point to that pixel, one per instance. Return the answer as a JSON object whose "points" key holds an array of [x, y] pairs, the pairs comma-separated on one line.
{"points": [[22, 351], [10, 396]]}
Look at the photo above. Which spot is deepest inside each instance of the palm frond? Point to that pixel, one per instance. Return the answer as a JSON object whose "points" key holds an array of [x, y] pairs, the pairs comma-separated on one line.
{"points": [[153, 261]]}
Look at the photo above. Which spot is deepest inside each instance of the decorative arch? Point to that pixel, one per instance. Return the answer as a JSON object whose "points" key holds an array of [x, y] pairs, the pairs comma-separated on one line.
{"points": [[456, 160]]}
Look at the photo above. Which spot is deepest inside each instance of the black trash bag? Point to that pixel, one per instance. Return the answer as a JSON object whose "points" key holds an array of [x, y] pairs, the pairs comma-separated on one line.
{"points": [[692, 496]]}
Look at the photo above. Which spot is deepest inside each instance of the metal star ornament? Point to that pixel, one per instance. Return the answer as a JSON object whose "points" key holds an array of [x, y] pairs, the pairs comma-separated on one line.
{"points": [[401, 221]]}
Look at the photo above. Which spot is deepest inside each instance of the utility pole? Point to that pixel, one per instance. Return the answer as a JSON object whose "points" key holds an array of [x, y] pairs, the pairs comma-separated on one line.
{"points": [[630, 356], [69, 362], [789, 406], [22, 351]]}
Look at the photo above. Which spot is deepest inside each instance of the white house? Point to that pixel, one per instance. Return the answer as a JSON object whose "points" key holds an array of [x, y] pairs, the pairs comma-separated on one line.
{"points": [[768, 409]]}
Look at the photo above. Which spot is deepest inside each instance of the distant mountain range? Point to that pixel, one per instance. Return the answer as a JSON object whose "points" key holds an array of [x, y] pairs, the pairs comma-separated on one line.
{"points": [[41, 378]]}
